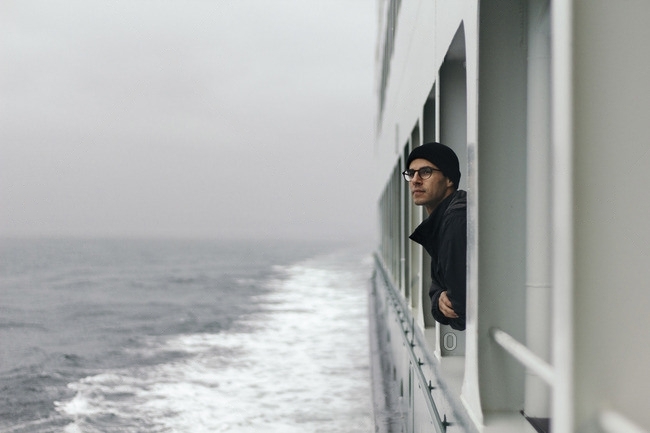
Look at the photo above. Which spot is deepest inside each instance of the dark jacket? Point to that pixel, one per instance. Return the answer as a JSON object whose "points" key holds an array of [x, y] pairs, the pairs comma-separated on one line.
{"points": [[444, 236]]}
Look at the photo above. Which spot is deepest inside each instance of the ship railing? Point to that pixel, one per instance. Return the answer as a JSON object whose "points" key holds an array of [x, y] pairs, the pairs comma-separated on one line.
{"points": [[523, 354], [610, 421], [440, 423]]}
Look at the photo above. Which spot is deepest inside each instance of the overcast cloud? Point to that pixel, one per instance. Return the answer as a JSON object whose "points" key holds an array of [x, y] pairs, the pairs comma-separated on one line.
{"points": [[193, 118]]}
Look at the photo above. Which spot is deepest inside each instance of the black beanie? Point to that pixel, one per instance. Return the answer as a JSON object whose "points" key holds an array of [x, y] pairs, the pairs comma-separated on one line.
{"points": [[442, 156]]}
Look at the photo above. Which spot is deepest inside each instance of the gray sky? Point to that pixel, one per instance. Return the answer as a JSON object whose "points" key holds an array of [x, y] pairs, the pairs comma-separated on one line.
{"points": [[199, 118]]}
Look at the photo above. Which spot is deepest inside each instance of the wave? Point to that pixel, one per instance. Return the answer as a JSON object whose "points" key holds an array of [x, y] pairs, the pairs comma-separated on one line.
{"points": [[274, 346], [302, 366]]}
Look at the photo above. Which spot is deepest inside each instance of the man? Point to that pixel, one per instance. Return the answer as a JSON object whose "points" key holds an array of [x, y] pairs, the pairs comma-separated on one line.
{"points": [[433, 174]]}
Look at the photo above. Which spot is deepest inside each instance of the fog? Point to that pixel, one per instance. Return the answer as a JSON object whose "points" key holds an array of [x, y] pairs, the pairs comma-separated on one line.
{"points": [[193, 118]]}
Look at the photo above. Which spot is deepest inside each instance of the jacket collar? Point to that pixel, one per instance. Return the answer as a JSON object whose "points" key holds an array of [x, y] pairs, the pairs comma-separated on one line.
{"points": [[426, 232]]}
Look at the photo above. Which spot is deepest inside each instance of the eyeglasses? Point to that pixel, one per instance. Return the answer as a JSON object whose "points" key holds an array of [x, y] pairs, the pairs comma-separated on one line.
{"points": [[424, 173]]}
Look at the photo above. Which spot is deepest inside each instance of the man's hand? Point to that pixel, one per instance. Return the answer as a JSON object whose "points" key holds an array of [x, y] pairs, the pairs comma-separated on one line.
{"points": [[445, 307]]}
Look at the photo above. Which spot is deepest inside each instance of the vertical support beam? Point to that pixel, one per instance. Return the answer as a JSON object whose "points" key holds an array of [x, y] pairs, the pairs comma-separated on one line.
{"points": [[437, 104], [502, 199], [538, 215], [413, 249], [405, 200], [611, 213], [562, 407]]}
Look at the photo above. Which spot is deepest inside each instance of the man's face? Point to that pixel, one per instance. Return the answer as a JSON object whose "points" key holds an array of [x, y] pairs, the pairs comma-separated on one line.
{"points": [[429, 192]]}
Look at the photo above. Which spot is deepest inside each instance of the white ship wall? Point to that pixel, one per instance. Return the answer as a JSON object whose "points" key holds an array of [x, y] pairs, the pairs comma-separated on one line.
{"points": [[555, 156]]}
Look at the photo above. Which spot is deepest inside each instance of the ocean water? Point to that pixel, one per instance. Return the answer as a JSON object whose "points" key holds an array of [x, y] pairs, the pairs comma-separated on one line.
{"points": [[183, 336]]}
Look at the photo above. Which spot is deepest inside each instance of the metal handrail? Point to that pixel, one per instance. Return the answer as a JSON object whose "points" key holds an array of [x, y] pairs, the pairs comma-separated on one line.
{"points": [[524, 355], [422, 380], [440, 424]]}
